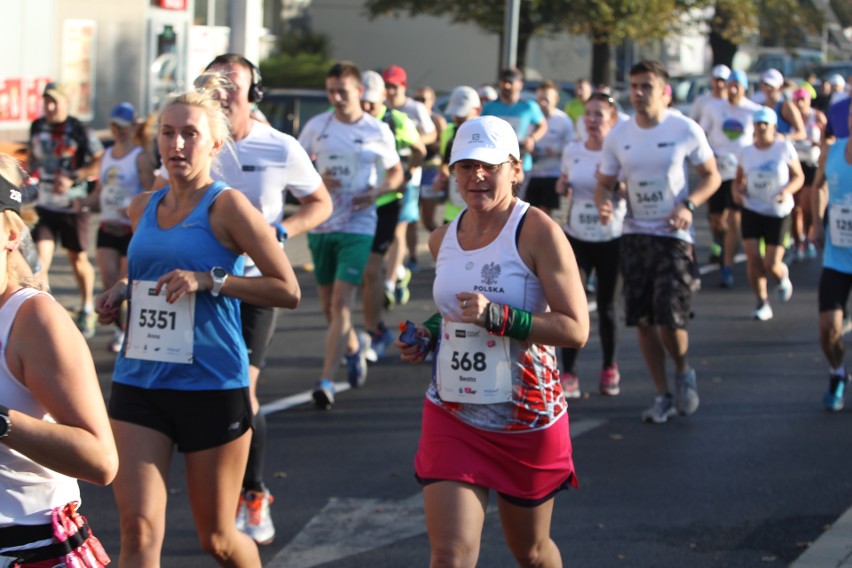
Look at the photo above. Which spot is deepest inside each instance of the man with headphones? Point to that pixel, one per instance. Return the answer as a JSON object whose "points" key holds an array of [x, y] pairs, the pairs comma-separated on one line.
{"points": [[268, 163]]}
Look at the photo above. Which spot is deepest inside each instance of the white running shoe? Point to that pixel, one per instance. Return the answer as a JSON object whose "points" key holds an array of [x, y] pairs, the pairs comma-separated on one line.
{"points": [[662, 409], [257, 522], [763, 312]]}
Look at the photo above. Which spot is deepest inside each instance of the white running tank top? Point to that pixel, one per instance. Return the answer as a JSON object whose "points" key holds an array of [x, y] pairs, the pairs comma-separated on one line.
{"points": [[498, 272], [119, 184], [28, 491]]}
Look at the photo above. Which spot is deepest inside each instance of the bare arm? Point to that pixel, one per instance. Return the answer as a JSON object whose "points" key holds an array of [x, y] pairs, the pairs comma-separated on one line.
{"points": [[314, 208], [52, 360], [603, 200], [797, 126], [146, 170], [567, 322]]}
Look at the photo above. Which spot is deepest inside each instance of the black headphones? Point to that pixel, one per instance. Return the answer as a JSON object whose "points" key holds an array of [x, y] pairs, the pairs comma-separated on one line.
{"points": [[255, 90]]}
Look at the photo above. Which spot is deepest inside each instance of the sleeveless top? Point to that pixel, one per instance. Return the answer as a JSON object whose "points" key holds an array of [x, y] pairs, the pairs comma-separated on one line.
{"points": [[28, 490], [119, 184], [498, 272], [220, 359], [838, 174], [783, 126]]}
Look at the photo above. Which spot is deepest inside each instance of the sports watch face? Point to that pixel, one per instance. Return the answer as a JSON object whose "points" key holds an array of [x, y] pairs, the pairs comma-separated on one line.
{"points": [[219, 273]]}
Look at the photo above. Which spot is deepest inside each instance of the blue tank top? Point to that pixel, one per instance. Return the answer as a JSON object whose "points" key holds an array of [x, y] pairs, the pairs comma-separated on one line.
{"points": [[783, 126], [838, 174], [220, 359]]}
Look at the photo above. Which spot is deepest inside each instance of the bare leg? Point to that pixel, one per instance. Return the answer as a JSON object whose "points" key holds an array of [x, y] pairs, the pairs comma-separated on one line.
{"points": [[340, 332], [527, 532], [655, 356], [455, 515]]}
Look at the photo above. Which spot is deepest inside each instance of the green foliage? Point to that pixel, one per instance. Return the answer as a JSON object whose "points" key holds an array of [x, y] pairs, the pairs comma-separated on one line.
{"points": [[303, 70], [300, 41], [843, 11]]}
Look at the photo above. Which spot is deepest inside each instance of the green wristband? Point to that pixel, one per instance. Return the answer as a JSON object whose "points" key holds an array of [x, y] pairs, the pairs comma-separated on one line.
{"points": [[433, 324], [521, 324]]}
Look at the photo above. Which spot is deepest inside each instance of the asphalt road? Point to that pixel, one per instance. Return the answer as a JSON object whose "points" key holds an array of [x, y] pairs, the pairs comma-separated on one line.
{"points": [[758, 473]]}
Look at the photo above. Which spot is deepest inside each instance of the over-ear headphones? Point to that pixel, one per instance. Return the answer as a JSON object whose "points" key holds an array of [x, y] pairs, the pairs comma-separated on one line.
{"points": [[255, 90]]}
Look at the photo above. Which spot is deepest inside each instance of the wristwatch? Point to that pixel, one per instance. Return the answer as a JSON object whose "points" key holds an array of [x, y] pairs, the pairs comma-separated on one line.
{"points": [[5, 423], [690, 206], [219, 276]]}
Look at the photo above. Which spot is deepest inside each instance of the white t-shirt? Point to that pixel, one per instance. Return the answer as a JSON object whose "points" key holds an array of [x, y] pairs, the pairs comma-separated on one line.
{"points": [[580, 166], [264, 165], [696, 111], [729, 129], [357, 155], [120, 183], [654, 162], [548, 151], [766, 172]]}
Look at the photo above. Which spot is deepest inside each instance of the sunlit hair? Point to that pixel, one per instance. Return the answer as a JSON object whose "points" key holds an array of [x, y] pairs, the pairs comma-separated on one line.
{"points": [[213, 81], [17, 270], [206, 100]]}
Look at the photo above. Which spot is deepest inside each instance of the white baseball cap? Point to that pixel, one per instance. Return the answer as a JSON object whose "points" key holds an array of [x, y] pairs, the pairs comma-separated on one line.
{"points": [[721, 72], [463, 100], [485, 139], [773, 78], [374, 87]]}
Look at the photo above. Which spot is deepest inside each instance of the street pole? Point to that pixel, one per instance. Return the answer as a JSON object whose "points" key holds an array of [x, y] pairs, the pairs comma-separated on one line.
{"points": [[509, 57]]}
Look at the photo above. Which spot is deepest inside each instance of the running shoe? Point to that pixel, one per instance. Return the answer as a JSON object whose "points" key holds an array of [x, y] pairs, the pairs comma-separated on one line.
{"points": [[610, 377], [257, 522], [412, 264], [662, 409], [811, 251], [381, 340], [763, 312], [686, 393], [835, 396], [785, 288], [799, 253], [86, 322], [401, 293], [727, 277], [117, 341], [591, 283], [324, 394], [715, 253], [390, 298], [571, 385], [356, 363]]}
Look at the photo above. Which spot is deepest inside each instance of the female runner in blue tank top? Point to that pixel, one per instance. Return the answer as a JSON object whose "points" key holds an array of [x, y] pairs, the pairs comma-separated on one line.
{"points": [[508, 290], [181, 378]]}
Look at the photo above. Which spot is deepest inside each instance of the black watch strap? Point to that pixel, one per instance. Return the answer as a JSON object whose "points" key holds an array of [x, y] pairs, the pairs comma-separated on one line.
{"points": [[5, 423], [689, 205]]}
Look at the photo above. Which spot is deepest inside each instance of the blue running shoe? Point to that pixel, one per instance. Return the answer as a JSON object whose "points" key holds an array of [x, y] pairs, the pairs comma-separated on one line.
{"points": [[381, 341], [324, 394], [727, 280], [356, 363], [835, 397]]}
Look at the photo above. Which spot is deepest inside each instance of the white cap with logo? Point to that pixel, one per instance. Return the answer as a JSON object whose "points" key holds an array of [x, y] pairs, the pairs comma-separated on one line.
{"points": [[485, 139], [721, 72]]}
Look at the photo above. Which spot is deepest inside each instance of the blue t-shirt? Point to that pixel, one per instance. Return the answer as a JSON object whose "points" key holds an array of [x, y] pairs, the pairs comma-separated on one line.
{"points": [[838, 174], [838, 119], [220, 359], [522, 116]]}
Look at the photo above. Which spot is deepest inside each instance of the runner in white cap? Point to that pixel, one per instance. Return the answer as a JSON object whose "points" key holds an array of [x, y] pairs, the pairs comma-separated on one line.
{"points": [[718, 86], [789, 119], [507, 289], [768, 174], [463, 105]]}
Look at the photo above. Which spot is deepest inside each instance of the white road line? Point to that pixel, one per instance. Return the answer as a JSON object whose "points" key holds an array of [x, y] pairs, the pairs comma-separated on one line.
{"points": [[708, 268], [298, 399]]}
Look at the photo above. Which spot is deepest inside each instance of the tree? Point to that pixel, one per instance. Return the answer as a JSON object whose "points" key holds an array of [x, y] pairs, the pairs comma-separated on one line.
{"points": [[303, 60], [536, 16], [604, 22]]}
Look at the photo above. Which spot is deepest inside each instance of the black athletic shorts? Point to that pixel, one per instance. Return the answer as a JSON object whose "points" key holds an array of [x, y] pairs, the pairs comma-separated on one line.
{"points": [[70, 229], [258, 330], [388, 217], [194, 420], [758, 226], [834, 288], [541, 192], [722, 199], [114, 236]]}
